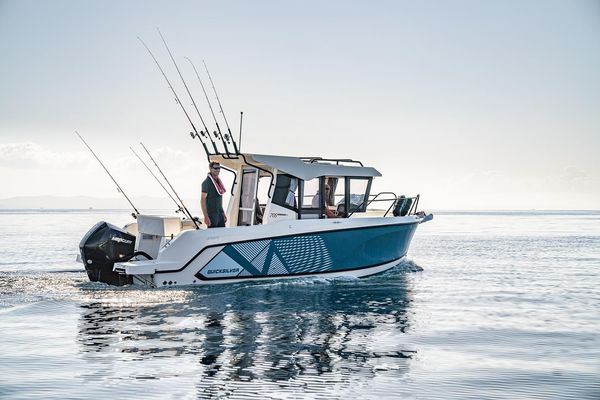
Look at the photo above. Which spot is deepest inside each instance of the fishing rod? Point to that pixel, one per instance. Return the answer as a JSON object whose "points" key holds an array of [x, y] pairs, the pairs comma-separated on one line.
{"points": [[221, 107], [176, 97], [188, 91], [171, 186], [158, 180], [111, 177], [209, 105]]}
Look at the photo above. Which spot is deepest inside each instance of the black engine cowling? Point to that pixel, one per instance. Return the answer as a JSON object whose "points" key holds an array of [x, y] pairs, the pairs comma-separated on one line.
{"points": [[101, 247]]}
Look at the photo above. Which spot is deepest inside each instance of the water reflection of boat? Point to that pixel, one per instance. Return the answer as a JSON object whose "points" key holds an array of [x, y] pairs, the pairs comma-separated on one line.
{"points": [[342, 331]]}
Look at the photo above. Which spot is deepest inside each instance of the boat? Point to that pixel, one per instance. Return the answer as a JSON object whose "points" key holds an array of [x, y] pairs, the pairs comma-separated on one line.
{"points": [[282, 222], [281, 231]]}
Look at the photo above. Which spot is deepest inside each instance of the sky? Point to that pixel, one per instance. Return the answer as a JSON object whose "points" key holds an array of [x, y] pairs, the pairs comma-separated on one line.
{"points": [[472, 104]]}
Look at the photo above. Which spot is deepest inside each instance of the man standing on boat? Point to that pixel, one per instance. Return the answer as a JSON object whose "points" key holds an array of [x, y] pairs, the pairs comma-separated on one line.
{"points": [[212, 198]]}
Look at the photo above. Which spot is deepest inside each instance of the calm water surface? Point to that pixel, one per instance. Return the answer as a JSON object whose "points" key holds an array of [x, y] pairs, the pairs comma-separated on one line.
{"points": [[507, 306]]}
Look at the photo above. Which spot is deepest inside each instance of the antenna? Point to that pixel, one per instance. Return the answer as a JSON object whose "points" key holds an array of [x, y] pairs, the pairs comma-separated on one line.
{"points": [[241, 120], [176, 97], [171, 186], [221, 107], [111, 177], [157, 180], [188, 91]]}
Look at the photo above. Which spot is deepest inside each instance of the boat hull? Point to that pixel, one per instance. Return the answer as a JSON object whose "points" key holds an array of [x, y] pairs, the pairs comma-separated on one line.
{"points": [[358, 249]]}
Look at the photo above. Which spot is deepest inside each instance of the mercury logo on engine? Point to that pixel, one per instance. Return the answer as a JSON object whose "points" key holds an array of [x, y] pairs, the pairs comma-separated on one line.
{"points": [[121, 240]]}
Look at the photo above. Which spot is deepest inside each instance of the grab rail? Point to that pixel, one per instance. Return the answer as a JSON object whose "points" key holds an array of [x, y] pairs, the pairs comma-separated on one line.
{"points": [[375, 198], [312, 160]]}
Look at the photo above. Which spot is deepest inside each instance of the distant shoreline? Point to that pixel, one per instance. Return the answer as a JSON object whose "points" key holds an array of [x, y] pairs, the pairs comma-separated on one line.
{"points": [[86, 203]]}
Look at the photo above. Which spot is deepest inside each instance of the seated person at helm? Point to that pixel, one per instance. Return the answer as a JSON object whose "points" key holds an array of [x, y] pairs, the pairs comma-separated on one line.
{"points": [[317, 200]]}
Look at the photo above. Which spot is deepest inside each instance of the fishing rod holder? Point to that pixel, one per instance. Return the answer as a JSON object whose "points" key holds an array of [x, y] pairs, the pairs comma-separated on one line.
{"points": [[219, 136]]}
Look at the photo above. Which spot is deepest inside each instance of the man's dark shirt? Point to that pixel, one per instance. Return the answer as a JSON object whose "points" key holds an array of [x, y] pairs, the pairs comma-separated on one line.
{"points": [[214, 201]]}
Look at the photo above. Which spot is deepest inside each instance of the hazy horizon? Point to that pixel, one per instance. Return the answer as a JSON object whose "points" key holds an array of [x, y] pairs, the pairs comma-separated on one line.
{"points": [[83, 203], [473, 105]]}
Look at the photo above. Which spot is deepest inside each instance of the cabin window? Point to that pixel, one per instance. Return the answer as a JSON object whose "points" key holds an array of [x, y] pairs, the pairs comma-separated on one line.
{"points": [[335, 194], [311, 199], [358, 190], [286, 192]]}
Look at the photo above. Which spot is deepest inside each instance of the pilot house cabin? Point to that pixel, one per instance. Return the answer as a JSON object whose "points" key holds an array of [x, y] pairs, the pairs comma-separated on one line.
{"points": [[271, 188]]}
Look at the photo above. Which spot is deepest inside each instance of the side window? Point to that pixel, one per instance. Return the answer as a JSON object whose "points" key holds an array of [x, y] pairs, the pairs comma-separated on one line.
{"points": [[311, 199], [264, 184], [286, 191], [335, 191], [358, 189]]}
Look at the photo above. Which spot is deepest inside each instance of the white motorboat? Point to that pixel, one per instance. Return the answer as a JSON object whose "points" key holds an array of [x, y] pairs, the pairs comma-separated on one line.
{"points": [[277, 228], [279, 224]]}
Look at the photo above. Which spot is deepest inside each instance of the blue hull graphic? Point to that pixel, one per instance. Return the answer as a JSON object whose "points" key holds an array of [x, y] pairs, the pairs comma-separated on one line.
{"points": [[315, 253]]}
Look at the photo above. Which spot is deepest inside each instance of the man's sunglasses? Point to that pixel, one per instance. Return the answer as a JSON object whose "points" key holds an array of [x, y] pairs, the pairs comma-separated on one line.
{"points": [[217, 168]]}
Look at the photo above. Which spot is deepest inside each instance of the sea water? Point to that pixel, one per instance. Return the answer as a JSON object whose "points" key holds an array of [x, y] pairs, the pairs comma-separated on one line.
{"points": [[489, 305]]}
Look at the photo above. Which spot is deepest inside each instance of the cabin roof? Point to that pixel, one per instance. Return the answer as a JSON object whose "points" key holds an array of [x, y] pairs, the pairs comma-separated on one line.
{"points": [[303, 169]]}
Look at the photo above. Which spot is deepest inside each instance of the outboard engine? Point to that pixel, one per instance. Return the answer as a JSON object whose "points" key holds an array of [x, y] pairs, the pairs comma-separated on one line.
{"points": [[101, 247]]}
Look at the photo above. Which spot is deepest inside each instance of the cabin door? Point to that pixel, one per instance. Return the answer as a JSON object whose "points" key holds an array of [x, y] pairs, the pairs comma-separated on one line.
{"points": [[247, 205]]}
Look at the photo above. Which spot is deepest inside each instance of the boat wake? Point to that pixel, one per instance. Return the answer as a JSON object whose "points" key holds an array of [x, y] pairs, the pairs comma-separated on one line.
{"points": [[22, 288], [408, 266]]}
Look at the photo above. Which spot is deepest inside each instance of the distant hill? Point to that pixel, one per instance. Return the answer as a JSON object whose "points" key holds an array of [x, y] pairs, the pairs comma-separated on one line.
{"points": [[87, 202]]}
